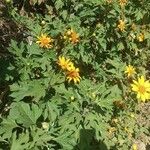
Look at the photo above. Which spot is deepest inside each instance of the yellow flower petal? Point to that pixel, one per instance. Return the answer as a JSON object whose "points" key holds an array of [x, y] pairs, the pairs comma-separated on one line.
{"points": [[130, 70], [73, 74], [44, 41], [121, 25], [142, 88], [64, 63]]}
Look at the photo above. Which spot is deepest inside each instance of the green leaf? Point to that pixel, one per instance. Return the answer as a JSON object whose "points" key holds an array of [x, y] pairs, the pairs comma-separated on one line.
{"points": [[15, 49], [59, 4], [64, 14], [65, 141], [27, 115], [34, 49], [51, 110], [6, 127], [20, 142], [139, 15], [39, 137], [32, 89]]}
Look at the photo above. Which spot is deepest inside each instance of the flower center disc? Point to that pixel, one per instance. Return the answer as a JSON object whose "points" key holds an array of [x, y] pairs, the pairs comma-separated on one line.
{"points": [[142, 89], [73, 74], [45, 41]]}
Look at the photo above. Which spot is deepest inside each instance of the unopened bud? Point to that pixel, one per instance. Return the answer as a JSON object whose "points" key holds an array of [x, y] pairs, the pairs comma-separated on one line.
{"points": [[45, 125], [72, 98], [43, 22]]}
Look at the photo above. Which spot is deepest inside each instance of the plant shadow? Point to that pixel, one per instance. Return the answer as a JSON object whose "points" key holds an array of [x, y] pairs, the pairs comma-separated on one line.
{"points": [[88, 141]]}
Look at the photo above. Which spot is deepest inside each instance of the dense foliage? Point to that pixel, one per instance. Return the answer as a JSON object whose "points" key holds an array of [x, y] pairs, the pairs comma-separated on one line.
{"points": [[78, 75]]}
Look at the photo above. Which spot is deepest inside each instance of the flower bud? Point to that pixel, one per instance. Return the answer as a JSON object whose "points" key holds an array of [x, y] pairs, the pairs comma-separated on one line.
{"points": [[43, 22]]}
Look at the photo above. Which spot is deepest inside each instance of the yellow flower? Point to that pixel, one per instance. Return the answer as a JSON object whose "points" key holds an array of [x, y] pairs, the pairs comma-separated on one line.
{"points": [[74, 38], [111, 130], [45, 41], [130, 70], [134, 147], [142, 88], [140, 37], [122, 2], [73, 74], [121, 25], [64, 63], [72, 35]]}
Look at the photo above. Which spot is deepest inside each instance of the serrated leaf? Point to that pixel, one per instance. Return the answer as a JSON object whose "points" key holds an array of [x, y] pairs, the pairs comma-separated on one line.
{"points": [[6, 127], [15, 49], [32, 89], [59, 4], [39, 137], [20, 142], [27, 115], [64, 14], [33, 49], [51, 111]]}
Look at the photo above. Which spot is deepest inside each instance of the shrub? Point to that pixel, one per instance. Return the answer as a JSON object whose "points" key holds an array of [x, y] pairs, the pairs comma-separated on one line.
{"points": [[71, 76]]}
